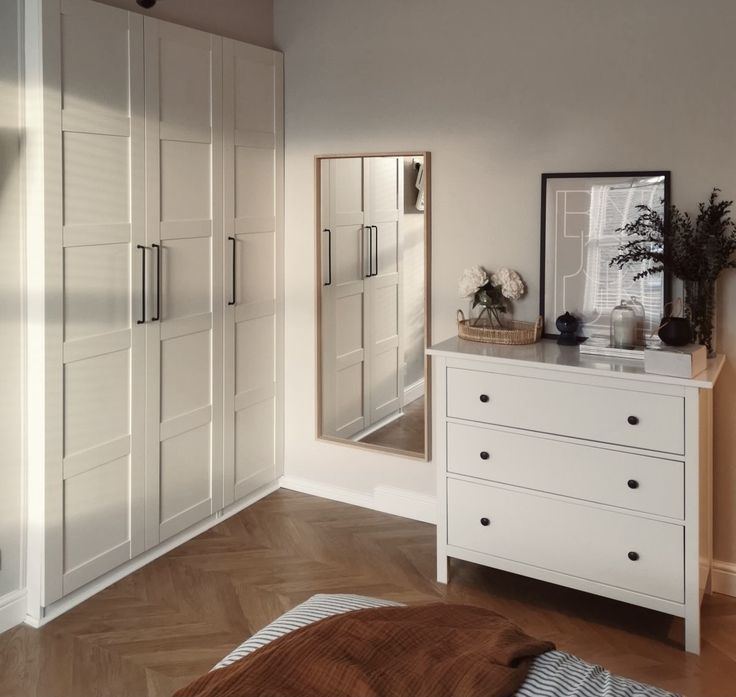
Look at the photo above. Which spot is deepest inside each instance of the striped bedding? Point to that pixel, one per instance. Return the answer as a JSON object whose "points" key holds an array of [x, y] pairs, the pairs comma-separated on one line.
{"points": [[553, 674]]}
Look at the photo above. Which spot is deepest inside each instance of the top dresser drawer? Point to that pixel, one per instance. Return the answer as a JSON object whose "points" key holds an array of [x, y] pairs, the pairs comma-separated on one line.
{"points": [[603, 414]]}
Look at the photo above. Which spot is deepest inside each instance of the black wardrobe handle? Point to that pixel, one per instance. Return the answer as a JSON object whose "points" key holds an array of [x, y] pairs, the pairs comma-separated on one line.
{"points": [[329, 256], [375, 273], [232, 301], [370, 250], [143, 285], [157, 316]]}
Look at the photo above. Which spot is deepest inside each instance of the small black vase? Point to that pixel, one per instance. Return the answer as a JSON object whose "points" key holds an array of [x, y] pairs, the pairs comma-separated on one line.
{"points": [[675, 331], [567, 325]]}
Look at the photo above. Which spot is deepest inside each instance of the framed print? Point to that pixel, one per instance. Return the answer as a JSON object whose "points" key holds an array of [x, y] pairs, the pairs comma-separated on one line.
{"points": [[582, 217]]}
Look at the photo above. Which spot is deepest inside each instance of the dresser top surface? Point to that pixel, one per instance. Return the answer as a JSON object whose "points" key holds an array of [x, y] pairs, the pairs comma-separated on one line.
{"points": [[548, 354]]}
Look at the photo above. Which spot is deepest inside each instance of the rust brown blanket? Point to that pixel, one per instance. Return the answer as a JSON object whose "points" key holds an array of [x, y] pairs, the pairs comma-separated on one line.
{"points": [[424, 651]]}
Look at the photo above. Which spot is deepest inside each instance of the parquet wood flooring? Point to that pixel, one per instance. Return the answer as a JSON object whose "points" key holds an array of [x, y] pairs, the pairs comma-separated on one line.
{"points": [[155, 630], [406, 433]]}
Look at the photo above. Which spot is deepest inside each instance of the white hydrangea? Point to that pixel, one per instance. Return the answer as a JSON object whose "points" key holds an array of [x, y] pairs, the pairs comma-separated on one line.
{"points": [[471, 281], [512, 287]]}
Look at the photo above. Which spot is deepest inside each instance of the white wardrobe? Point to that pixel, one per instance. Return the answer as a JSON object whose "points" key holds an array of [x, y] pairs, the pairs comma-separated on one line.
{"points": [[362, 201], [154, 285]]}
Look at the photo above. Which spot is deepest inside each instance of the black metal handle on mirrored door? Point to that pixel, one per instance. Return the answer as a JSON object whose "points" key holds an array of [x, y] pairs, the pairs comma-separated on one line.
{"points": [[232, 300], [329, 256], [157, 316], [143, 285]]}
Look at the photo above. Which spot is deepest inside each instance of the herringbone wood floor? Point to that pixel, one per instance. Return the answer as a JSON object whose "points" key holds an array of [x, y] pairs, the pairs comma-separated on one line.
{"points": [[155, 630]]}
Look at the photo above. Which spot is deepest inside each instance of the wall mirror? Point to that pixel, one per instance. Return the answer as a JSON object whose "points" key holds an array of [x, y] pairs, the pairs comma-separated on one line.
{"points": [[581, 219], [373, 232]]}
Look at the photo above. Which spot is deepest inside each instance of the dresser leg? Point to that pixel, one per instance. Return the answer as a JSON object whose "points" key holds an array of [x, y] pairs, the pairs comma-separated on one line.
{"points": [[692, 629], [442, 568]]}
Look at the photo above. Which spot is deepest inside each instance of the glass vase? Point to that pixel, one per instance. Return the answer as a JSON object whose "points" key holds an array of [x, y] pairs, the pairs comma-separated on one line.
{"points": [[700, 308]]}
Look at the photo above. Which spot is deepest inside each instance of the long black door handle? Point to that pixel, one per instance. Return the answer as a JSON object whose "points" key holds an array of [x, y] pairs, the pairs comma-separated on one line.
{"points": [[329, 256], [157, 316], [232, 300], [370, 249], [375, 273], [143, 285]]}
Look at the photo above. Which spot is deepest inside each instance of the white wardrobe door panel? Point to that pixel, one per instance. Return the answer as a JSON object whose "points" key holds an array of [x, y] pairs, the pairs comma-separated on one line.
{"points": [[346, 195], [254, 183], [349, 398], [96, 512], [255, 270], [183, 387], [184, 69], [254, 349], [349, 324], [254, 78], [347, 254], [385, 312], [385, 379], [186, 278], [252, 129], [387, 243], [186, 181], [254, 445], [384, 184], [95, 71], [185, 481], [96, 401], [96, 290], [96, 178]]}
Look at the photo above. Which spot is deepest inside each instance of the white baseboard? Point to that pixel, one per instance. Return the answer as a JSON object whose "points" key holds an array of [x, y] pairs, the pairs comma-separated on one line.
{"points": [[414, 391], [36, 619], [723, 578], [400, 502], [12, 609]]}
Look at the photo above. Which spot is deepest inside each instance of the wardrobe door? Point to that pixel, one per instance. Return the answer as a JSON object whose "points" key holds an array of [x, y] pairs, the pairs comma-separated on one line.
{"points": [[384, 195], [184, 228], [345, 400], [252, 296], [100, 190]]}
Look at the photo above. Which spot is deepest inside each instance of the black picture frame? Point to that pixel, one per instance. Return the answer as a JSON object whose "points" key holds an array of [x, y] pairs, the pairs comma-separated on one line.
{"points": [[546, 176]]}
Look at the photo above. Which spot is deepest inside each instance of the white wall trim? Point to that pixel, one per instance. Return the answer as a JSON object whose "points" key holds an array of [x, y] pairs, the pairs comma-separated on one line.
{"points": [[723, 577], [414, 391], [38, 619], [12, 609], [386, 499]]}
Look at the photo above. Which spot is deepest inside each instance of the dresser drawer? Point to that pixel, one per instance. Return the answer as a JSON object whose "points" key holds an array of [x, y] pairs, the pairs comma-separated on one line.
{"points": [[603, 414], [637, 482], [569, 538]]}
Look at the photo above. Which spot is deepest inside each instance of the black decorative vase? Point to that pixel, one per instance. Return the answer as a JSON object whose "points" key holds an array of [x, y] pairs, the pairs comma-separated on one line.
{"points": [[675, 331], [567, 325]]}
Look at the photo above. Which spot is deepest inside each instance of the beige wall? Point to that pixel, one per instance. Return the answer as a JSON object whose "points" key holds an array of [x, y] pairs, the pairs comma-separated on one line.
{"points": [[499, 92], [11, 405], [245, 20]]}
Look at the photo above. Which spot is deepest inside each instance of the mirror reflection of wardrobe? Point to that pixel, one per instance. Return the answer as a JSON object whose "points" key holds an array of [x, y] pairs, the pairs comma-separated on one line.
{"points": [[373, 300]]}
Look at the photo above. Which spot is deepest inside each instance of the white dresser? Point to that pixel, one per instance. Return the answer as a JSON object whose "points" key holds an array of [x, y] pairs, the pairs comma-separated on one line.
{"points": [[577, 470]]}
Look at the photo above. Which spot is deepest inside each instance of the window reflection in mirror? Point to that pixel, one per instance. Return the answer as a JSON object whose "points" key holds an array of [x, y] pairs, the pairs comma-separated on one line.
{"points": [[373, 300]]}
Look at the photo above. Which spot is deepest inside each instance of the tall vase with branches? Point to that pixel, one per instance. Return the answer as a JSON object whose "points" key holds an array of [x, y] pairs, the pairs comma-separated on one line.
{"points": [[695, 251]]}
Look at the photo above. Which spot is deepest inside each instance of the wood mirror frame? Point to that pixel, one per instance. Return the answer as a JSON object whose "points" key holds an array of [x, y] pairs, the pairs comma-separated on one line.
{"points": [[426, 455]]}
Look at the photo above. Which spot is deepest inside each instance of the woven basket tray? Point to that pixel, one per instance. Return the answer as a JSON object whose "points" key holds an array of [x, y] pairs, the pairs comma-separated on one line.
{"points": [[514, 334]]}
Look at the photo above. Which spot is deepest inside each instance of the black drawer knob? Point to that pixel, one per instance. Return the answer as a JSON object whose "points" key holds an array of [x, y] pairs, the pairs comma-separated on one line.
{"points": [[633, 420], [485, 398], [485, 522], [632, 484], [484, 455], [634, 556]]}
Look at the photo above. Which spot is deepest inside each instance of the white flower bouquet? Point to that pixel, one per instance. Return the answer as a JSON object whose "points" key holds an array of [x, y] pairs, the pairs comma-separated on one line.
{"points": [[493, 292]]}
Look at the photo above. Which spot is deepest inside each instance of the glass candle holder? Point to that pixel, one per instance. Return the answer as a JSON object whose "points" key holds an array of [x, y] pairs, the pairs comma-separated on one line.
{"points": [[623, 326]]}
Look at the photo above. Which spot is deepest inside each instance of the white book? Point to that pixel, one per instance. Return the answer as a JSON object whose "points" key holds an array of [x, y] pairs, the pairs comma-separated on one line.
{"points": [[676, 361]]}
